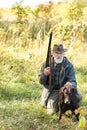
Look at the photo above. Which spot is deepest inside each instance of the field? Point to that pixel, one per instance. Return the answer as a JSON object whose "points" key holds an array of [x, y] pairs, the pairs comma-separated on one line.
{"points": [[20, 92], [24, 36]]}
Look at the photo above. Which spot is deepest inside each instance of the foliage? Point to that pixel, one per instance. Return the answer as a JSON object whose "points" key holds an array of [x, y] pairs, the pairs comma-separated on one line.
{"points": [[23, 48], [20, 12], [20, 91], [64, 19]]}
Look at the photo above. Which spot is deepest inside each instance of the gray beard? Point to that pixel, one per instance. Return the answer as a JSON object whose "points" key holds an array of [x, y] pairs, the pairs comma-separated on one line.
{"points": [[58, 60]]}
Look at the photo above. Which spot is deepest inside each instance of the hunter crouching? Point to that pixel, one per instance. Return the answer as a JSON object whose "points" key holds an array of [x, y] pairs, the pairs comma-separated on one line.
{"points": [[62, 73]]}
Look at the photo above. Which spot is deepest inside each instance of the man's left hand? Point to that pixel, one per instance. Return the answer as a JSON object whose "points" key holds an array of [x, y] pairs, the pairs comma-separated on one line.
{"points": [[68, 84]]}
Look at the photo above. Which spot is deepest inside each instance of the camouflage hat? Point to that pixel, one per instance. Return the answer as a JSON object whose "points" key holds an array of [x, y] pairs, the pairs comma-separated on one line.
{"points": [[59, 48]]}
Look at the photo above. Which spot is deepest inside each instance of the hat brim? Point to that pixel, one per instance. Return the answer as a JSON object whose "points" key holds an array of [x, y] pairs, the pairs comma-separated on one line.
{"points": [[60, 51]]}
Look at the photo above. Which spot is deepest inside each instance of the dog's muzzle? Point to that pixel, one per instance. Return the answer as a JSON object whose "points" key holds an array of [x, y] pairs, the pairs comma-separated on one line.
{"points": [[67, 101]]}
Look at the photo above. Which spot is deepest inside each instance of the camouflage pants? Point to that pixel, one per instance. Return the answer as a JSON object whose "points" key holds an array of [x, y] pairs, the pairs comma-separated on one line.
{"points": [[49, 100]]}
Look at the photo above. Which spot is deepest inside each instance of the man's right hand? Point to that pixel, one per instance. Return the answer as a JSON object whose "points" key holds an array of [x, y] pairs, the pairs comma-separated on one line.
{"points": [[47, 71]]}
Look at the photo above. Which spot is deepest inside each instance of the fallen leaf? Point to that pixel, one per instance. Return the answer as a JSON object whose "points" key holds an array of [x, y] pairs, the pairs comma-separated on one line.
{"points": [[82, 122]]}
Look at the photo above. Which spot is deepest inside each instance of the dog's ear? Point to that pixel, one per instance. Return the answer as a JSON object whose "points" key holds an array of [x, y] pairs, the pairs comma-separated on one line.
{"points": [[74, 97], [61, 90], [61, 94], [74, 90]]}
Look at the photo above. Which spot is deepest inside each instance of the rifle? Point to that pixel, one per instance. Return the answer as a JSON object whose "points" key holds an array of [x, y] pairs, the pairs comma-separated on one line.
{"points": [[48, 61]]}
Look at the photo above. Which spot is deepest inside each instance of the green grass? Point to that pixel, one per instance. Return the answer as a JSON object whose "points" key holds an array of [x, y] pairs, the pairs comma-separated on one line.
{"points": [[20, 93], [20, 108]]}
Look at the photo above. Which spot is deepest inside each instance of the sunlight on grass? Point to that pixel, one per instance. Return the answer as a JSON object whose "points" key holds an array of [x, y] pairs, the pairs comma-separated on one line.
{"points": [[20, 91]]}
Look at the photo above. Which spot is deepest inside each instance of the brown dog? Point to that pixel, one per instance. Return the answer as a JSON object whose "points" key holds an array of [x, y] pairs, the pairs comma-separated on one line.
{"points": [[68, 100]]}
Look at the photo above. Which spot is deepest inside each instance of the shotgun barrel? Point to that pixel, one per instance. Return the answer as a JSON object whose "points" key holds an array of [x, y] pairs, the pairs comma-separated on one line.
{"points": [[49, 51], [48, 62]]}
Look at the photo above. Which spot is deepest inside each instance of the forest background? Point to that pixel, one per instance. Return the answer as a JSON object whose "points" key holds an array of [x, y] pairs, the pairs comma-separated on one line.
{"points": [[24, 36]]}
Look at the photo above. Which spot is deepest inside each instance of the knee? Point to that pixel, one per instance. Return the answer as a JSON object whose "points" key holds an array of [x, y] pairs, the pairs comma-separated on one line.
{"points": [[50, 111]]}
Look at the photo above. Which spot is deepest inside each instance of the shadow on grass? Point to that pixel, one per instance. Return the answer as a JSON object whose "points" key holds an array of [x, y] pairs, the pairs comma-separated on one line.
{"points": [[21, 91]]}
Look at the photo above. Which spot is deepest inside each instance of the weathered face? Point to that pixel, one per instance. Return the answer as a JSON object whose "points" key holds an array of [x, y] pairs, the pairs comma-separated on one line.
{"points": [[58, 57]]}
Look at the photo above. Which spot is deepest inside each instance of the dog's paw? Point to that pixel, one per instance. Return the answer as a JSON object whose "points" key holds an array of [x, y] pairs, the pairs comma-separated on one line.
{"points": [[62, 120]]}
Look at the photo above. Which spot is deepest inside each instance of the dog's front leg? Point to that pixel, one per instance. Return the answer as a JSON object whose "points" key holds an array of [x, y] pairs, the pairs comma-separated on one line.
{"points": [[60, 112], [76, 115]]}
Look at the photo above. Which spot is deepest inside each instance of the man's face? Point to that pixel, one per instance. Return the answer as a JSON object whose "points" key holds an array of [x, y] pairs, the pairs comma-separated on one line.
{"points": [[58, 57]]}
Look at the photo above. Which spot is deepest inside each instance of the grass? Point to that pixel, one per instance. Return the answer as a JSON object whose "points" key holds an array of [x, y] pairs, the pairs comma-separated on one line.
{"points": [[20, 109], [20, 93]]}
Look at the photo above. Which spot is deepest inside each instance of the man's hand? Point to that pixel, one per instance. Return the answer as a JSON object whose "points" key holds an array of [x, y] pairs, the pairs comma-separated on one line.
{"points": [[47, 71], [68, 84]]}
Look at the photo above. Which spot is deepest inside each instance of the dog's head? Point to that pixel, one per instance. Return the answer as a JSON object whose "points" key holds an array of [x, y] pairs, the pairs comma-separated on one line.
{"points": [[68, 94]]}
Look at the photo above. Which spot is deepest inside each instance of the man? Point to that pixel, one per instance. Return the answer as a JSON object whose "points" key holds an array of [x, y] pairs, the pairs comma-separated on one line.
{"points": [[62, 73]]}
